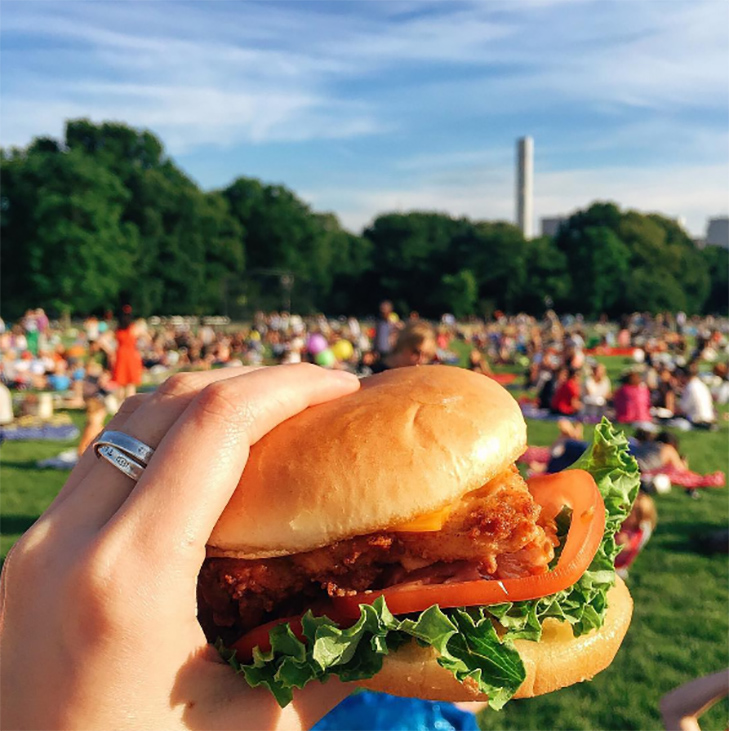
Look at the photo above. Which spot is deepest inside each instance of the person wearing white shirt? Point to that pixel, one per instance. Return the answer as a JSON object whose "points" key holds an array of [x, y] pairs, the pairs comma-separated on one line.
{"points": [[696, 403], [598, 385], [598, 390]]}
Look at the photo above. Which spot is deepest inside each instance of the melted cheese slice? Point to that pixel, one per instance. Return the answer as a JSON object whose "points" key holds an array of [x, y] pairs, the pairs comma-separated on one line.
{"points": [[431, 522], [426, 523]]}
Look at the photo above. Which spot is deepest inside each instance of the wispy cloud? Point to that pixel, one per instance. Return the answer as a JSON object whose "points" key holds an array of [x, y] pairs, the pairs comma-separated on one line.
{"points": [[518, 53], [192, 89], [428, 96], [680, 192]]}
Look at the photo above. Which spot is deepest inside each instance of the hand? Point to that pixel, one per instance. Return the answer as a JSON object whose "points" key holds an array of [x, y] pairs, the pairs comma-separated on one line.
{"points": [[98, 623], [682, 707]]}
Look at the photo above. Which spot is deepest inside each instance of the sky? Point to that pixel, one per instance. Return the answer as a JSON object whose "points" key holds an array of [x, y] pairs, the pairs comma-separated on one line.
{"points": [[368, 107]]}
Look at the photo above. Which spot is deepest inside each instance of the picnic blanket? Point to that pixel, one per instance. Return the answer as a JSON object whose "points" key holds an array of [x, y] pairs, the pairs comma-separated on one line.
{"points": [[66, 460], [607, 350], [13, 433], [688, 479], [681, 478], [504, 379], [530, 411]]}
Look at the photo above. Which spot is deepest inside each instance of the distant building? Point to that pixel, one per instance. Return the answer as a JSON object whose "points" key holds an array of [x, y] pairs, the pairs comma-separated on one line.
{"points": [[525, 186], [550, 226], [717, 232]]}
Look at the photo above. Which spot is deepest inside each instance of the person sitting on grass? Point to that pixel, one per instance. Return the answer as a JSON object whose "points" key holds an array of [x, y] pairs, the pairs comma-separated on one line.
{"points": [[696, 404], [598, 389], [568, 447], [566, 399], [632, 401], [664, 395], [655, 452], [635, 531], [478, 364]]}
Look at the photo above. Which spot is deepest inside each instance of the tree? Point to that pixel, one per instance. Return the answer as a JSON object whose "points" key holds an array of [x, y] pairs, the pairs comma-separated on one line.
{"points": [[348, 259], [547, 278], [282, 234], [495, 253], [459, 293], [64, 245], [105, 214], [410, 254], [626, 261], [667, 272], [117, 146], [190, 246]]}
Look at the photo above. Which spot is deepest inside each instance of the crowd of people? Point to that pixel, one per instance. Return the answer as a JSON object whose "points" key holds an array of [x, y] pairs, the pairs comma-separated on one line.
{"points": [[668, 380], [678, 368]]}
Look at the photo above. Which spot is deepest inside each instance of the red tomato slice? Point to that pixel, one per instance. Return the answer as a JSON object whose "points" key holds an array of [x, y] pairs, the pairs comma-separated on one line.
{"points": [[259, 637], [573, 488]]}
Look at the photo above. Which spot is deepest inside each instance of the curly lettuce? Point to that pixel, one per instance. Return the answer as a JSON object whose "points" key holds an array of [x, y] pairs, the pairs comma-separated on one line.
{"points": [[465, 639]]}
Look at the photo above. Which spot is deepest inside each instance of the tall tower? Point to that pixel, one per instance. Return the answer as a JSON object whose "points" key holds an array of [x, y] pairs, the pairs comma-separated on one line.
{"points": [[524, 186]]}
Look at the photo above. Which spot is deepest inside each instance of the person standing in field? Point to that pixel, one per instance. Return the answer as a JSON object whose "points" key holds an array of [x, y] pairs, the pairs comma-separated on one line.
{"points": [[127, 372], [384, 329]]}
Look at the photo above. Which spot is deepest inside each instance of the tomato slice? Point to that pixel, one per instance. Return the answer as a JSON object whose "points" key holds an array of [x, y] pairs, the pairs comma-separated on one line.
{"points": [[573, 488], [259, 637]]}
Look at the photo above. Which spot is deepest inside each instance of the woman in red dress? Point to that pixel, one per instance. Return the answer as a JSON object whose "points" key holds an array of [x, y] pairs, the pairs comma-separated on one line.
{"points": [[128, 362]]}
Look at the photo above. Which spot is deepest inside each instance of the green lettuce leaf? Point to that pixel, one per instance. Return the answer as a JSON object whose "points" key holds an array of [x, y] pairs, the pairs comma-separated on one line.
{"points": [[465, 639]]}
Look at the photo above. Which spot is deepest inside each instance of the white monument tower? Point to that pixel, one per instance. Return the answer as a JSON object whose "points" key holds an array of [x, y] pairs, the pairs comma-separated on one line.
{"points": [[524, 186]]}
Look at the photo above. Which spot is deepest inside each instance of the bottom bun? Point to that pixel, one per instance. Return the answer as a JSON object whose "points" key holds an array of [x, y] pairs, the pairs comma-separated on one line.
{"points": [[559, 659]]}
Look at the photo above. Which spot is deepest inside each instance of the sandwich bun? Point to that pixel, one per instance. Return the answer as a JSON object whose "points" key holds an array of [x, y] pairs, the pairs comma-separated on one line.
{"points": [[409, 442], [559, 659]]}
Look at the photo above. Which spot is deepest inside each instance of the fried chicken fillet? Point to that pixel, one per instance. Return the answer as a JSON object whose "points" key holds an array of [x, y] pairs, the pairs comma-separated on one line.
{"points": [[493, 532]]}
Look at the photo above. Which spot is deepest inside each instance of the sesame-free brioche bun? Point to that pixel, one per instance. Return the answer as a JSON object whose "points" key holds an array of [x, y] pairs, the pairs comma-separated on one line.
{"points": [[409, 442], [559, 659]]}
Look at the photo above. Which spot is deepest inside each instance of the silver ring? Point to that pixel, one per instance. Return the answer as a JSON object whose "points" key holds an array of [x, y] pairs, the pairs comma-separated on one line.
{"points": [[139, 451], [121, 461]]}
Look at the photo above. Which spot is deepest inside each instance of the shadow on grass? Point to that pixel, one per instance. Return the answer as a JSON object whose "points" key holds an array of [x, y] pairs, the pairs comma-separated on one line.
{"points": [[702, 545], [702, 537], [10, 524], [16, 465]]}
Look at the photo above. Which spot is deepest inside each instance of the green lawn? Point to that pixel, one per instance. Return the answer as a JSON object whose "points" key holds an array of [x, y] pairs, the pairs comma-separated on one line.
{"points": [[679, 630]]}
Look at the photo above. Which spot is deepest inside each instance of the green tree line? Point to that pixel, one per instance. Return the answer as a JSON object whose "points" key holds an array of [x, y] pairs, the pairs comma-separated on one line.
{"points": [[105, 217]]}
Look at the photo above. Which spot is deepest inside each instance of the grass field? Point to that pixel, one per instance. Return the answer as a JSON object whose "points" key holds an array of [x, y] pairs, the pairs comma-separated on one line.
{"points": [[681, 625]]}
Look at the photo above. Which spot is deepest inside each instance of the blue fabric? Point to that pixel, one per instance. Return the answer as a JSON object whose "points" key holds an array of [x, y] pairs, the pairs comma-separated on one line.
{"points": [[26, 433], [59, 382], [530, 411], [379, 712], [572, 450]]}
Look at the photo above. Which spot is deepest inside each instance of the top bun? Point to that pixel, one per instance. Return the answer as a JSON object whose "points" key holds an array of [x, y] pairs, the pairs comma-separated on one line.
{"points": [[409, 442]]}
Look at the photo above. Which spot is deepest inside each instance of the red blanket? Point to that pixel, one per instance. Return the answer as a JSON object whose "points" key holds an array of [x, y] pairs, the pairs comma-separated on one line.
{"points": [[504, 379], [607, 350], [686, 478], [682, 478]]}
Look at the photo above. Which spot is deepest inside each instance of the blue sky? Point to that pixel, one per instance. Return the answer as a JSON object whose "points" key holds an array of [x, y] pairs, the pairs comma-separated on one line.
{"points": [[366, 107]]}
